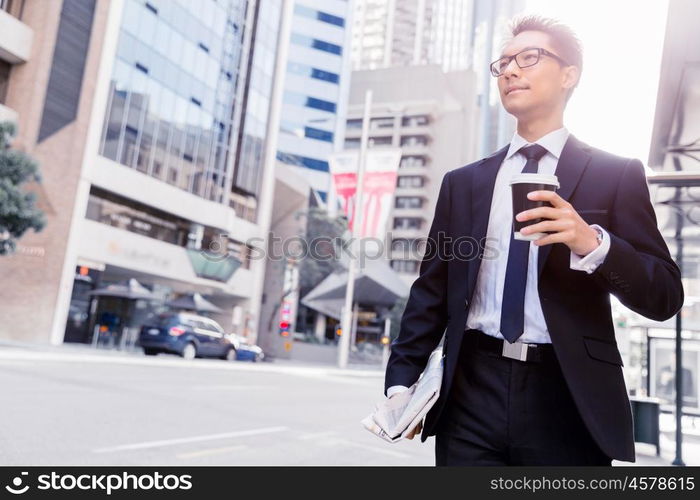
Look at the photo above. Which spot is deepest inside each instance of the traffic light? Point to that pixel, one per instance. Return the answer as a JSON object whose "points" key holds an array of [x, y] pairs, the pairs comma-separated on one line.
{"points": [[284, 328]]}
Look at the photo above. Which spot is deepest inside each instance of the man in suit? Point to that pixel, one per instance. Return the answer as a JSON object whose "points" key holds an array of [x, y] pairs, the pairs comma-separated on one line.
{"points": [[532, 371]]}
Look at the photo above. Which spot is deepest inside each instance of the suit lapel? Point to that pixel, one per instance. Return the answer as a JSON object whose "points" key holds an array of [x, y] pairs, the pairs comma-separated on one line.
{"points": [[483, 181], [573, 161]]}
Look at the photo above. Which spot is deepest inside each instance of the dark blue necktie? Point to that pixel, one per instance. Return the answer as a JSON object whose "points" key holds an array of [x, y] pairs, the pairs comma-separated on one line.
{"points": [[513, 305]]}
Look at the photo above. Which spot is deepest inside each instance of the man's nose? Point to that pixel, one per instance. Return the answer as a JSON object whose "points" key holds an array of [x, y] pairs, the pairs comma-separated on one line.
{"points": [[512, 68]]}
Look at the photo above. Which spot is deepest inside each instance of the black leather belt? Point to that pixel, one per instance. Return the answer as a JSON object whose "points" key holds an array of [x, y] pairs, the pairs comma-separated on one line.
{"points": [[521, 351]]}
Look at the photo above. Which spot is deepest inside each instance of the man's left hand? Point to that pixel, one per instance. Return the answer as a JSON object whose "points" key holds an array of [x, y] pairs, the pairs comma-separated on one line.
{"points": [[566, 224]]}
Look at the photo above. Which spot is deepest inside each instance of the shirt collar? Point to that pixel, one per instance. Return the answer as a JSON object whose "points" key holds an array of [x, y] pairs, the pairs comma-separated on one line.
{"points": [[553, 142]]}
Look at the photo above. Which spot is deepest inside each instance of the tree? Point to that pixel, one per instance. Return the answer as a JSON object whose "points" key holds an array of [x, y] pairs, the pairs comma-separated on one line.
{"points": [[312, 267], [326, 234], [316, 266], [18, 211]]}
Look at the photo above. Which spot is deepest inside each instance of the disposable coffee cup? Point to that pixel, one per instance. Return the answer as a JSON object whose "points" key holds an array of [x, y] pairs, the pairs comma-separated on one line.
{"points": [[521, 185]]}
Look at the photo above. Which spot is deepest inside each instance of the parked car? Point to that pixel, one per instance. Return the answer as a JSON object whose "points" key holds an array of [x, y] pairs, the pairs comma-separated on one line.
{"points": [[246, 351], [189, 335]]}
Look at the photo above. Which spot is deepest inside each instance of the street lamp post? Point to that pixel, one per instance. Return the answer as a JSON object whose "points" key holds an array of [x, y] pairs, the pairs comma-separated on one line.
{"points": [[357, 215]]}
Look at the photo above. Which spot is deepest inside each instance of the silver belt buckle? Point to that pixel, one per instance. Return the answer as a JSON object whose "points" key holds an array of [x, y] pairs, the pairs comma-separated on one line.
{"points": [[516, 350]]}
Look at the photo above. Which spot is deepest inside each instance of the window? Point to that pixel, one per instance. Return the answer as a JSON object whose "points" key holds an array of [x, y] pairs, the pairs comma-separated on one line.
{"points": [[123, 213], [309, 102], [321, 16], [318, 74], [379, 141], [211, 326], [414, 140], [174, 83], [354, 123], [415, 120], [240, 251], [408, 181], [13, 7], [313, 102], [303, 161], [313, 43], [407, 223], [246, 206], [352, 143], [324, 75], [405, 266], [321, 135], [413, 161], [383, 122], [409, 202], [4, 79]]}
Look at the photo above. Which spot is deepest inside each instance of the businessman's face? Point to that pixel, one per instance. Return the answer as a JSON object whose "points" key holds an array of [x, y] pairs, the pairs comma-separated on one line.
{"points": [[537, 90]]}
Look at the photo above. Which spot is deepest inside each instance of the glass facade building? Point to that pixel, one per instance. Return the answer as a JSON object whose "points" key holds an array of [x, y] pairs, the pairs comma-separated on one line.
{"points": [[173, 89], [247, 176], [315, 84]]}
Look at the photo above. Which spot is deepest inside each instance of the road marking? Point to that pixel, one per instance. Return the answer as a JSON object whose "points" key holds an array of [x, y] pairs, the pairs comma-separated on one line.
{"points": [[227, 387], [193, 439], [313, 435], [211, 451]]}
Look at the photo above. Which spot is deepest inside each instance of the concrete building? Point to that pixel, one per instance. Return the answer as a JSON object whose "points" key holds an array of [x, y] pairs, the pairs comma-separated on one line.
{"points": [[433, 121], [412, 32], [149, 119], [316, 90], [489, 30], [15, 49], [455, 34], [281, 292]]}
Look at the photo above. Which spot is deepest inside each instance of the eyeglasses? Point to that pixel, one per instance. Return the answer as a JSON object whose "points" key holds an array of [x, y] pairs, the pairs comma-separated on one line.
{"points": [[524, 59]]}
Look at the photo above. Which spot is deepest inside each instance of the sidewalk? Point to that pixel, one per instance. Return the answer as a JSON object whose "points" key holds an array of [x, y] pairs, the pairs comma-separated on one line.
{"points": [[86, 353], [646, 453]]}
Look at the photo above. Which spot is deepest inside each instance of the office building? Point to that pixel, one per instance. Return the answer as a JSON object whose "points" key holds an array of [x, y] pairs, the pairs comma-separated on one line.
{"points": [[412, 32], [149, 121], [316, 90], [432, 120]]}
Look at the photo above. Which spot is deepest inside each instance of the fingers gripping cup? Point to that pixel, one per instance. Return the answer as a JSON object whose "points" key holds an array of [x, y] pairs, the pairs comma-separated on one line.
{"points": [[521, 185]]}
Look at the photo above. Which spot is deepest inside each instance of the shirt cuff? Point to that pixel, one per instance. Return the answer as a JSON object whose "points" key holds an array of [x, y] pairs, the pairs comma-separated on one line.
{"points": [[590, 262], [395, 389]]}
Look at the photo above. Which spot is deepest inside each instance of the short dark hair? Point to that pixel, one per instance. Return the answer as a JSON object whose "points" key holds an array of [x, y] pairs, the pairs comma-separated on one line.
{"points": [[564, 40]]}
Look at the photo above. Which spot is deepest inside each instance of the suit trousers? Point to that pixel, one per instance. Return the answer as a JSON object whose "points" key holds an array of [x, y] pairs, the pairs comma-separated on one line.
{"points": [[502, 411]]}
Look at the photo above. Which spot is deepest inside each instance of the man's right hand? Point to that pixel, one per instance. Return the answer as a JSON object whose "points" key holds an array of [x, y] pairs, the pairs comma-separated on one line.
{"points": [[415, 431]]}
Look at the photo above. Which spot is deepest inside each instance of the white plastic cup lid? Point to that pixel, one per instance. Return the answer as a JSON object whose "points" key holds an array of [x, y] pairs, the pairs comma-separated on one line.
{"points": [[535, 179]]}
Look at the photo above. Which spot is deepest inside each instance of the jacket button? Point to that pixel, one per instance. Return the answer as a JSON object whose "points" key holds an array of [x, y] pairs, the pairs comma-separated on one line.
{"points": [[466, 303]]}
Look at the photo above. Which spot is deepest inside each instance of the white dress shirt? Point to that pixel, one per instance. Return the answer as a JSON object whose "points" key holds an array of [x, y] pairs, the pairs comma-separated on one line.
{"points": [[485, 309]]}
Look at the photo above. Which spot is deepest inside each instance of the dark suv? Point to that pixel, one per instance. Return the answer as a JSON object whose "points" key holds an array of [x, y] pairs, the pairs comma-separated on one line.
{"points": [[188, 335]]}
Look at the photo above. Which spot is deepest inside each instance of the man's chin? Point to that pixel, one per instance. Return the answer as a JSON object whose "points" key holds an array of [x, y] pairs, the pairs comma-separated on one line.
{"points": [[516, 111]]}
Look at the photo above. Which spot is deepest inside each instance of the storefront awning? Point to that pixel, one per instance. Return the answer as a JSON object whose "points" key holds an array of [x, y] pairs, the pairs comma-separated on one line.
{"points": [[376, 284]]}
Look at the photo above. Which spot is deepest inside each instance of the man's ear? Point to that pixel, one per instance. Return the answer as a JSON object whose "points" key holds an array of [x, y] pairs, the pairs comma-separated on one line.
{"points": [[571, 77]]}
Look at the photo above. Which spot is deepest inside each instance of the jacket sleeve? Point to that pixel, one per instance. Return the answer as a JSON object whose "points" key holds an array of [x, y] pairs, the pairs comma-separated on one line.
{"points": [[425, 316], [638, 269]]}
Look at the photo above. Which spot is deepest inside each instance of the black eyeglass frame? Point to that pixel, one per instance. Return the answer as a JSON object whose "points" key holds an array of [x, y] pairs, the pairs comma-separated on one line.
{"points": [[540, 53]]}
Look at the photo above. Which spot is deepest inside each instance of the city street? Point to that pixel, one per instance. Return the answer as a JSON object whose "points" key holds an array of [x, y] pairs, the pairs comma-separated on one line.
{"points": [[84, 409], [67, 406]]}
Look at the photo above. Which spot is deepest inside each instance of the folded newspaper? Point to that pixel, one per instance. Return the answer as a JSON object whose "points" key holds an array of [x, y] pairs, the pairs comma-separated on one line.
{"points": [[394, 418]]}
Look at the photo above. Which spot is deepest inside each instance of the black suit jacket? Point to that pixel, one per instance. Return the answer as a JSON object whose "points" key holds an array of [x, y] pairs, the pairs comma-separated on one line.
{"points": [[604, 189]]}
